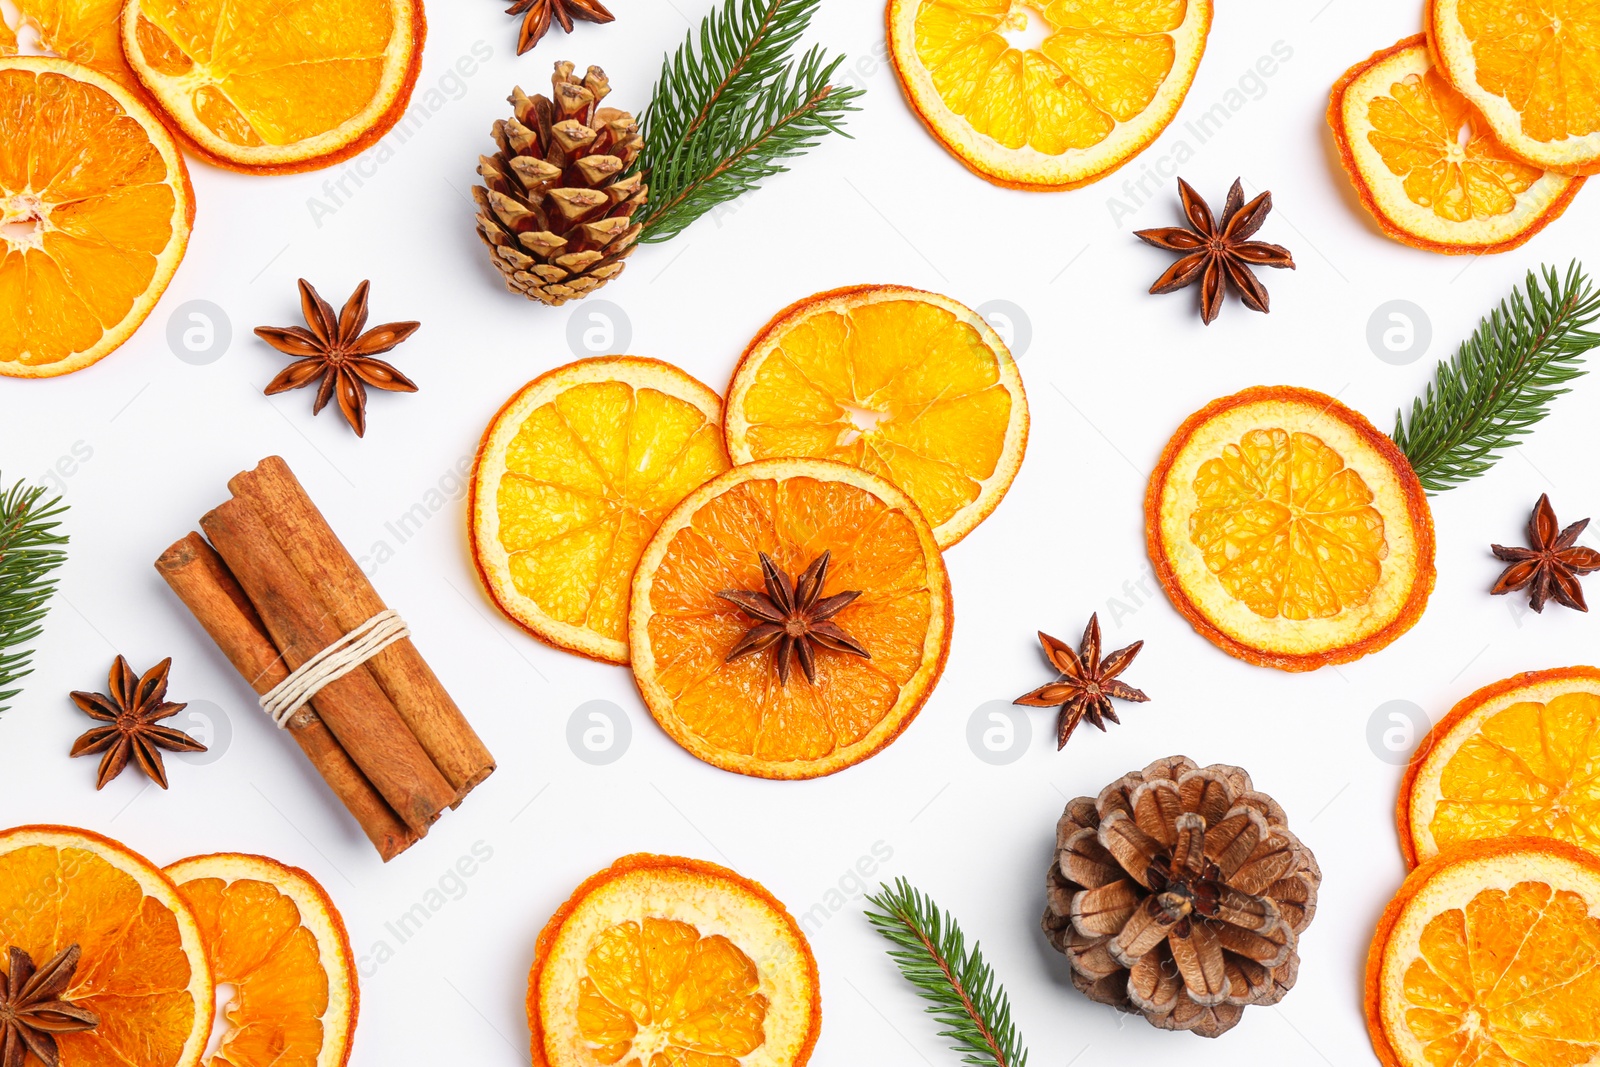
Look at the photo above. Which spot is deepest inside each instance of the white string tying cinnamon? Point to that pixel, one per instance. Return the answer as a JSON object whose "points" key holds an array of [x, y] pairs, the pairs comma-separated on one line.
{"points": [[332, 663]]}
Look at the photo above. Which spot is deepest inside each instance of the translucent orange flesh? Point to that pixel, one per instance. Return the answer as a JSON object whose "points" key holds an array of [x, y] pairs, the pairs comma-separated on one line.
{"points": [[1511, 980], [84, 31], [1427, 135], [589, 478], [657, 993], [1543, 57], [1102, 64], [85, 212], [133, 974], [902, 388], [741, 707], [1530, 769], [1286, 527]]}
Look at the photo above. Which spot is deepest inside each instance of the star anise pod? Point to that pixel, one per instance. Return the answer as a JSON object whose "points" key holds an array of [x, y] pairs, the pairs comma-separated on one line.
{"points": [[1218, 255], [132, 710], [792, 616], [538, 14], [1552, 566], [337, 354], [32, 1011], [1087, 682]]}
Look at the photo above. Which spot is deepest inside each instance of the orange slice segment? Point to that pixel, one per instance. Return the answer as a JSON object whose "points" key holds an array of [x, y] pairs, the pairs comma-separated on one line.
{"points": [[273, 88], [1426, 165], [277, 943], [663, 961], [95, 211], [83, 31], [1288, 530], [738, 715], [1520, 757], [909, 385], [143, 969], [1098, 82], [1490, 954], [572, 478]]}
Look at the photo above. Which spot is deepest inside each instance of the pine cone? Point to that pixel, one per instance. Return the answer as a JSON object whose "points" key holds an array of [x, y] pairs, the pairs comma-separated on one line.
{"points": [[557, 214], [1180, 893]]}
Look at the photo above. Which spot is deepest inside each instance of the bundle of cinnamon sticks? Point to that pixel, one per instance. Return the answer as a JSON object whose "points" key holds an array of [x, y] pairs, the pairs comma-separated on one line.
{"points": [[274, 587]]}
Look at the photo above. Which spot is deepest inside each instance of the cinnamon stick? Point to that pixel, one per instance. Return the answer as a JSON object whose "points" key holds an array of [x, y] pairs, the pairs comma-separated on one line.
{"points": [[327, 566], [204, 584], [354, 707]]}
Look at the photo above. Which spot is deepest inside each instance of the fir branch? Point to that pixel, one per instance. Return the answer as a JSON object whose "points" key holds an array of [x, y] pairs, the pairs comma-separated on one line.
{"points": [[1501, 381], [30, 548], [960, 988], [725, 115]]}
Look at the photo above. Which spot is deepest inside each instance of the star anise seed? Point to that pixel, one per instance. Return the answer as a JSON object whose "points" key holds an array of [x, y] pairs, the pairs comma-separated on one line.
{"points": [[337, 355], [32, 1010], [1087, 682], [1552, 566], [1217, 255], [538, 14], [792, 617], [134, 707]]}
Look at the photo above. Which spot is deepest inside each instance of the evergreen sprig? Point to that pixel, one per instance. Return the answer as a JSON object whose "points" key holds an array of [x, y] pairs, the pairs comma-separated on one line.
{"points": [[724, 115], [30, 549], [1501, 381], [959, 986]]}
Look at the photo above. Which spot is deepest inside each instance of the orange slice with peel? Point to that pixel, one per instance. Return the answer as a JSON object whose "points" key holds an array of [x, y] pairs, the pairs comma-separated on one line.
{"points": [[1288, 530], [1520, 758], [1427, 167], [83, 31], [909, 385], [739, 715], [277, 88], [277, 942], [143, 969], [572, 478], [1490, 954], [1532, 69], [658, 960], [95, 211], [1102, 81]]}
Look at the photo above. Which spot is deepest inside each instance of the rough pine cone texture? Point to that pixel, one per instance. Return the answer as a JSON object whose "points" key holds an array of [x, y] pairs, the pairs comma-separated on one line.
{"points": [[554, 207], [1179, 893]]}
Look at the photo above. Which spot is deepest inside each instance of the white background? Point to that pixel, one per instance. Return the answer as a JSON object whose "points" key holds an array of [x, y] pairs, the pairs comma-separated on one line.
{"points": [[1110, 372]]}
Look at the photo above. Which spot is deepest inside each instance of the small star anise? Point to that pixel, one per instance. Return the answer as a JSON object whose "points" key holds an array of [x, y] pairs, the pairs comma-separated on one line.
{"points": [[133, 709], [1552, 566], [1087, 683], [32, 1011], [537, 15], [338, 355], [1218, 255], [793, 616]]}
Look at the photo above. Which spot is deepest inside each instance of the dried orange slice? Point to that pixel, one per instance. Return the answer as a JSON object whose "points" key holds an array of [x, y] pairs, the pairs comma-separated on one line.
{"points": [[1532, 69], [572, 478], [143, 969], [1427, 167], [95, 210], [1520, 757], [911, 386], [83, 31], [274, 88], [661, 961], [1288, 530], [278, 946], [738, 715], [1101, 81], [1490, 954]]}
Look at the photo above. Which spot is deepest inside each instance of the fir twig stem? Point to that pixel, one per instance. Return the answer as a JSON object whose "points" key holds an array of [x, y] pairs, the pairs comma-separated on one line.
{"points": [[30, 549]]}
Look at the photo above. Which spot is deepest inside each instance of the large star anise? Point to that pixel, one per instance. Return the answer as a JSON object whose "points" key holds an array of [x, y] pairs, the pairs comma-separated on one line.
{"points": [[1552, 566], [1218, 256], [792, 616], [1087, 682], [336, 353], [537, 15], [32, 1011], [132, 710]]}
